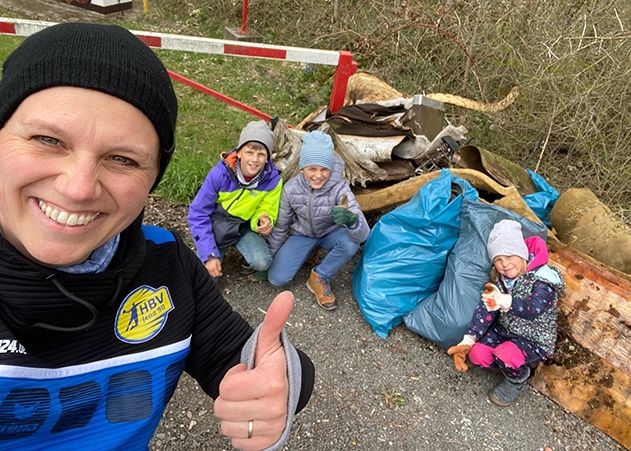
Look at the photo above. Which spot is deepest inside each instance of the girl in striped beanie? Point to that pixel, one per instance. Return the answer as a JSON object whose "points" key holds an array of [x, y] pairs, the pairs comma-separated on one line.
{"points": [[317, 210]]}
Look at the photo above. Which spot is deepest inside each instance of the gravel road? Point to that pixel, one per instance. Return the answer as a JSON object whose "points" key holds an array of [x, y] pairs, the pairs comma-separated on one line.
{"points": [[370, 394]]}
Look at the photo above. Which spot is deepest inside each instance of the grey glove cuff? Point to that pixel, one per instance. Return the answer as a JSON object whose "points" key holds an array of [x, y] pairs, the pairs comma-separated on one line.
{"points": [[294, 378]]}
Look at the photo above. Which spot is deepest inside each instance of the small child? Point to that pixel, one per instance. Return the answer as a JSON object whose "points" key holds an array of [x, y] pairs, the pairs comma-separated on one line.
{"points": [[238, 203], [514, 326], [317, 209]]}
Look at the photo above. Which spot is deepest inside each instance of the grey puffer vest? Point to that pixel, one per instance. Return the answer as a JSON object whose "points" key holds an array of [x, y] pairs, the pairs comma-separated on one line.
{"points": [[308, 212]]}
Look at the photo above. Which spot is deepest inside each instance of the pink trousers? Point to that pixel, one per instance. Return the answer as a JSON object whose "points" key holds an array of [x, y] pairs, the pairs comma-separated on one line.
{"points": [[508, 352]]}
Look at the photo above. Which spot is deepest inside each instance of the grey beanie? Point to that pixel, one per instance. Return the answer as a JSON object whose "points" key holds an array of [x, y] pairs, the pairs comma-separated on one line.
{"points": [[105, 58], [317, 150], [506, 239], [260, 132]]}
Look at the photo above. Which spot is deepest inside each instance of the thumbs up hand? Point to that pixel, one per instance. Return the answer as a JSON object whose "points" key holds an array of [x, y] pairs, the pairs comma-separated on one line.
{"points": [[252, 402], [344, 201], [342, 215]]}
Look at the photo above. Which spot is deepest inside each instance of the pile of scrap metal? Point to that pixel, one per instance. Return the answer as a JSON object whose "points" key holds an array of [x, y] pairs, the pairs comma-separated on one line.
{"points": [[408, 140], [382, 141], [382, 135]]}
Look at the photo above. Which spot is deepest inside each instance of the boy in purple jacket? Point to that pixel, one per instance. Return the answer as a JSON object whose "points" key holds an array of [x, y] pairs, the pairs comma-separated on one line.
{"points": [[237, 204]]}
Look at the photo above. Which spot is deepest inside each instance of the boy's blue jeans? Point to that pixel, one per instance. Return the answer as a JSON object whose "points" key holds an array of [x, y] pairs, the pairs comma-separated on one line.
{"points": [[297, 248], [255, 251]]}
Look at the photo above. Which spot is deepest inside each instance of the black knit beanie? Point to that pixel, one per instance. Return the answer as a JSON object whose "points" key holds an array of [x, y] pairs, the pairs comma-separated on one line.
{"points": [[106, 58]]}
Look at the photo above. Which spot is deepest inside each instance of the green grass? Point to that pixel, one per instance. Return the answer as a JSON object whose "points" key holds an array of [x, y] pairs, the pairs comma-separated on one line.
{"points": [[7, 44], [8, 13], [207, 127]]}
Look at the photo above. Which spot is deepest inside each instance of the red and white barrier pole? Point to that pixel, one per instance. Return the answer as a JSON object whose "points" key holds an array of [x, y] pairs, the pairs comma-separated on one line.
{"points": [[345, 68], [342, 60], [219, 96]]}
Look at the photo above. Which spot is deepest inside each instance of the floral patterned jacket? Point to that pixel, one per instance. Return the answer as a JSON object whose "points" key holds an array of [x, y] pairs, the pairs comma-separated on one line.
{"points": [[533, 312]]}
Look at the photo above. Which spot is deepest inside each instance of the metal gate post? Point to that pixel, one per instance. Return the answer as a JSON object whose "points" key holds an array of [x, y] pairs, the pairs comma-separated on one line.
{"points": [[345, 68], [244, 17]]}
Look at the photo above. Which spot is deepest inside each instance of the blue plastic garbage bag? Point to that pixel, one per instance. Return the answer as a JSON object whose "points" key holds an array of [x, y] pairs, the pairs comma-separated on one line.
{"points": [[405, 255], [543, 200], [444, 316]]}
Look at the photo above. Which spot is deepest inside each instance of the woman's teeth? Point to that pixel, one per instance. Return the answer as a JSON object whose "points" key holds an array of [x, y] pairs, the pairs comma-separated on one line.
{"points": [[65, 218]]}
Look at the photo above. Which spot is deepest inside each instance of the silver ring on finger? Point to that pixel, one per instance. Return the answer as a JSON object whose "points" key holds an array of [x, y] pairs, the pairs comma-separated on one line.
{"points": [[250, 428]]}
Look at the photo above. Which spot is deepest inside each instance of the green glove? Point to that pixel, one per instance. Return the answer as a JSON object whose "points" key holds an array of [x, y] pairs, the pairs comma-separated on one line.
{"points": [[343, 216]]}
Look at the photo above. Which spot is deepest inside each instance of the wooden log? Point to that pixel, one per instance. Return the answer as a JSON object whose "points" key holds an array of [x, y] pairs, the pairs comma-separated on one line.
{"points": [[593, 389], [395, 194], [403, 191], [597, 305], [593, 381], [585, 223]]}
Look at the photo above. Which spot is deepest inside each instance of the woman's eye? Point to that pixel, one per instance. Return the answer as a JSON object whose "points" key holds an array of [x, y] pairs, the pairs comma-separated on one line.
{"points": [[123, 160], [48, 140]]}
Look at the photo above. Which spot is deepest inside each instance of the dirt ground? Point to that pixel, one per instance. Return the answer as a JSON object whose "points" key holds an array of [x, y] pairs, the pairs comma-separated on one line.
{"points": [[370, 394], [59, 11]]}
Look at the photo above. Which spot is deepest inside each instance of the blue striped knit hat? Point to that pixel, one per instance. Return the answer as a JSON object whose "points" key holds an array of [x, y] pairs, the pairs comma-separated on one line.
{"points": [[317, 150]]}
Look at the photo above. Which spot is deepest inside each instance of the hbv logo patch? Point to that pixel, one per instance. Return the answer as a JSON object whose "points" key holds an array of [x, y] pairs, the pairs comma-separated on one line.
{"points": [[143, 314]]}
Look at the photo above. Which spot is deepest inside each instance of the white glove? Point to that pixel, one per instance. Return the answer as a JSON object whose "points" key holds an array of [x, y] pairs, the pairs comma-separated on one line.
{"points": [[494, 299], [467, 340]]}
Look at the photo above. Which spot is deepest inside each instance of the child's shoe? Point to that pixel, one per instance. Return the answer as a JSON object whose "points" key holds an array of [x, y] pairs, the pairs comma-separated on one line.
{"points": [[508, 390], [258, 276], [246, 270], [321, 288]]}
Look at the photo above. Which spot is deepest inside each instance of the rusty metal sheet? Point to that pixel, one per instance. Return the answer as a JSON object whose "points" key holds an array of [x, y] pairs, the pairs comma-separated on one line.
{"points": [[497, 167]]}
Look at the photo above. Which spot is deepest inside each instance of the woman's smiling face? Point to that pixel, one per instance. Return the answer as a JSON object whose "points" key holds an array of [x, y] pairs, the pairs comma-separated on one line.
{"points": [[76, 166]]}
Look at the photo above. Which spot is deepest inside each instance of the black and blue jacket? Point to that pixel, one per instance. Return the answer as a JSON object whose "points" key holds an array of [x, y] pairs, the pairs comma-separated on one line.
{"points": [[90, 361]]}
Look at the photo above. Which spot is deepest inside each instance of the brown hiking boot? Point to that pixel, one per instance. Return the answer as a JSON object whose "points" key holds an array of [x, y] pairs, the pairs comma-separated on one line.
{"points": [[322, 291]]}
